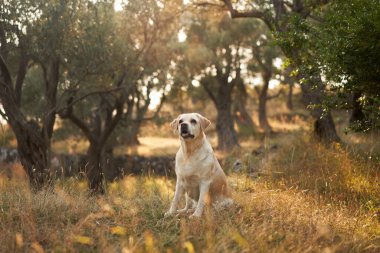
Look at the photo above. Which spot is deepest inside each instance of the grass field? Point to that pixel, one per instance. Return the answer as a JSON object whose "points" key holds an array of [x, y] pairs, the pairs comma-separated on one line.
{"points": [[300, 197]]}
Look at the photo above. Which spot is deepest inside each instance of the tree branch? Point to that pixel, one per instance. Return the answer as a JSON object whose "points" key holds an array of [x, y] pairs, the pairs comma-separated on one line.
{"points": [[85, 96], [281, 91], [21, 73], [3, 41], [5, 73], [113, 123], [81, 124], [209, 92], [317, 18], [229, 62], [155, 115], [243, 14], [207, 3], [258, 90], [259, 60]]}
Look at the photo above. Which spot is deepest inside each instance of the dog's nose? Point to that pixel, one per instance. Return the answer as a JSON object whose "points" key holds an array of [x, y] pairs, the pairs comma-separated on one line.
{"points": [[184, 128]]}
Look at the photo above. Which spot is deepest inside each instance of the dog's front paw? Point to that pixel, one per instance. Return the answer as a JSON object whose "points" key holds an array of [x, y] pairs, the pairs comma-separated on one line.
{"points": [[169, 213], [195, 216], [182, 211]]}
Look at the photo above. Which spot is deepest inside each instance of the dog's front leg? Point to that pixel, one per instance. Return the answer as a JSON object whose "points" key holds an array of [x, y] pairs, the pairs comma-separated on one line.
{"points": [[187, 205], [177, 195], [203, 191]]}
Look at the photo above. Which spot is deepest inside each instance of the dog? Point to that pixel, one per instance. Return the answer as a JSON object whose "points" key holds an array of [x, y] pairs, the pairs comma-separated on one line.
{"points": [[199, 174]]}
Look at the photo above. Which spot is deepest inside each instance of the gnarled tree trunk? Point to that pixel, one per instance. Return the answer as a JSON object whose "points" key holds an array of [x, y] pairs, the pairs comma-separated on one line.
{"points": [[222, 99], [131, 136], [98, 129], [94, 169], [263, 98], [33, 142], [357, 113], [289, 99], [241, 116], [227, 137], [324, 127], [33, 153]]}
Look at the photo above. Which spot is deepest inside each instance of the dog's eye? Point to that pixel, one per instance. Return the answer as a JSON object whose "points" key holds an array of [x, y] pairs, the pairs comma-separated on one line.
{"points": [[180, 122], [193, 121]]}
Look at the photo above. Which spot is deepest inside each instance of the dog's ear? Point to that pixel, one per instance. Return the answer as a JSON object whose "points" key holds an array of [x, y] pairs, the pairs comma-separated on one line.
{"points": [[174, 125], [205, 122]]}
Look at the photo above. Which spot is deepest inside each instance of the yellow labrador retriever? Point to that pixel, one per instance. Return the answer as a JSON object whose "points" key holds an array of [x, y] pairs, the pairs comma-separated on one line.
{"points": [[199, 174]]}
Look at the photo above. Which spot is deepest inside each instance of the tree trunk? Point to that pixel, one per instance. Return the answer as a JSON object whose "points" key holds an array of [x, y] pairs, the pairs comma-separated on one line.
{"points": [[222, 99], [33, 155], [94, 170], [31, 145], [324, 127], [263, 98], [97, 132], [227, 137], [241, 116], [289, 101], [312, 92], [131, 135], [52, 80], [357, 113]]}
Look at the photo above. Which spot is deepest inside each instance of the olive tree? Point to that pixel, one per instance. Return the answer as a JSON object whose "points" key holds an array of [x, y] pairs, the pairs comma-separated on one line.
{"points": [[135, 59], [215, 54], [348, 51], [33, 35], [286, 20]]}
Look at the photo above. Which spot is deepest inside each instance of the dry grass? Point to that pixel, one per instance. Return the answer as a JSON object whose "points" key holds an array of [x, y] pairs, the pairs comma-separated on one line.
{"points": [[301, 197], [277, 212], [335, 172]]}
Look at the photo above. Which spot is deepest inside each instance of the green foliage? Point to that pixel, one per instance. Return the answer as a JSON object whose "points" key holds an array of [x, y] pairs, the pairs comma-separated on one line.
{"points": [[348, 46], [32, 102], [215, 42], [341, 41], [95, 45]]}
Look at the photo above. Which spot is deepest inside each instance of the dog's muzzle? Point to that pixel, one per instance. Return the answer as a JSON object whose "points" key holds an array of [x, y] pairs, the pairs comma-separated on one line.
{"points": [[185, 133]]}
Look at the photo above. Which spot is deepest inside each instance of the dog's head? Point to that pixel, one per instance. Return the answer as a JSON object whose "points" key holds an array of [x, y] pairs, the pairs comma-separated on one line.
{"points": [[190, 125]]}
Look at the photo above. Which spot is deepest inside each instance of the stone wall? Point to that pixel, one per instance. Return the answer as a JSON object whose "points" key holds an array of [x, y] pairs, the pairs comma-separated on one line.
{"points": [[64, 165]]}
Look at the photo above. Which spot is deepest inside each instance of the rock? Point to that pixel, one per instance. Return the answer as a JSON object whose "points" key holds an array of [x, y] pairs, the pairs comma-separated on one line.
{"points": [[8, 155], [262, 149], [238, 165]]}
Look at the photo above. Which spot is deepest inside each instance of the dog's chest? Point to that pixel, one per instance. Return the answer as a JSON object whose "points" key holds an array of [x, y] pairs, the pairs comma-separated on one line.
{"points": [[192, 167], [187, 168]]}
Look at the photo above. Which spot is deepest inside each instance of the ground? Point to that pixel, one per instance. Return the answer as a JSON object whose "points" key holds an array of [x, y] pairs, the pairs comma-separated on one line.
{"points": [[291, 194]]}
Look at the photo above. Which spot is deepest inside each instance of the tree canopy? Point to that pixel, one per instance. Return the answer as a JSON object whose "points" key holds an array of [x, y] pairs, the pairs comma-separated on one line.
{"points": [[86, 66]]}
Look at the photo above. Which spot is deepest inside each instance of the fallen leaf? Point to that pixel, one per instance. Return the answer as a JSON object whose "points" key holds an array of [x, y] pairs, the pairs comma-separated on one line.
{"points": [[83, 240], [239, 239], [19, 240], [118, 230], [36, 248], [149, 242], [189, 246], [126, 250]]}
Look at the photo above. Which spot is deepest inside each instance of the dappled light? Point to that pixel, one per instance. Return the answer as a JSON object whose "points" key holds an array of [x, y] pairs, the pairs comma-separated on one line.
{"points": [[264, 218], [189, 126]]}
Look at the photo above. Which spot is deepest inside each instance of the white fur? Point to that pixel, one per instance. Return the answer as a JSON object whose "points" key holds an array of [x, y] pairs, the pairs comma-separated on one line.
{"points": [[199, 174]]}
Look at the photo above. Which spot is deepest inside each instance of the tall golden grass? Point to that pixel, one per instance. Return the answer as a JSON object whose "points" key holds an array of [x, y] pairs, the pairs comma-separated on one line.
{"points": [[306, 198]]}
